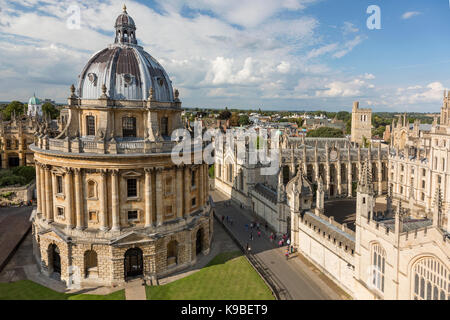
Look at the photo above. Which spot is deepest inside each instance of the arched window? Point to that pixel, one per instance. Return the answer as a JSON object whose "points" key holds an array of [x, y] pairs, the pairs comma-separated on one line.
{"points": [[164, 126], [128, 127], [90, 125], [431, 280], [378, 267], [92, 189]]}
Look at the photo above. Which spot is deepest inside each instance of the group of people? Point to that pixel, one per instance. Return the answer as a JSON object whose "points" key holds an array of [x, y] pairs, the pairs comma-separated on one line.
{"points": [[228, 219]]}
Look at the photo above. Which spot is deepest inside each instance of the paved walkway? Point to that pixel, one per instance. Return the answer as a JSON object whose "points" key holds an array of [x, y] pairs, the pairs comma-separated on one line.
{"points": [[14, 225], [302, 282], [134, 290]]}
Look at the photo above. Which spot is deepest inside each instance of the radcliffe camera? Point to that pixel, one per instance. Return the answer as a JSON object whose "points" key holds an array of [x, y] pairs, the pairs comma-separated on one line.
{"points": [[218, 159]]}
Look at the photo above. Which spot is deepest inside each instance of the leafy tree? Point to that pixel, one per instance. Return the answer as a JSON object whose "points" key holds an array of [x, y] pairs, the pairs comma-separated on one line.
{"points": [[15, 106], [244, 120], [325, 132], [234, 119], [224, 115], [50, 109]]}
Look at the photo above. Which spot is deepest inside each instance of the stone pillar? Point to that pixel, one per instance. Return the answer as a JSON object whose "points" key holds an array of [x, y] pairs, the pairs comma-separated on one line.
{"points": [[69, 202], [200, 185], [380, 178], [339, 178], [115, 200], [43, 192], [187, 190], [79, 199], [49, 194], [148, 198], [159, 197], [349, 179], [206, 182], [103, 202], [179, 191], [39, 185]]}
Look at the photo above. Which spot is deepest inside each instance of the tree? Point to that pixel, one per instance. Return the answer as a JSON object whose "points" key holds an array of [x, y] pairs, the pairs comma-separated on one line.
{"points": [[50, 109], [325, 132], [244, 120], [14, 107], [224, 115], [234, 119]]}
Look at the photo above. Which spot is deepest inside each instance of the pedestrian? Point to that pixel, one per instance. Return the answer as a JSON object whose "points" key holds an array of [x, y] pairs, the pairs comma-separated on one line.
{"points": [[246, 227], [251, 235], [231, 222], [287, 255], [246, 248], [288, 242], [280, 243], [251, 225], [266, 226], [223, 217], [259, 234]]}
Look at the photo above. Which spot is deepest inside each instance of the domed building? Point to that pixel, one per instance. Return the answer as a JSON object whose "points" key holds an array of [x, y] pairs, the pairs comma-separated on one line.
{"points": [[111, 203], [34, 107]]}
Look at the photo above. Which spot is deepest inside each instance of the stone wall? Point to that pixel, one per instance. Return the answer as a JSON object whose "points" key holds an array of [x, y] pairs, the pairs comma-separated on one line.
{"points": [[24, 193]]}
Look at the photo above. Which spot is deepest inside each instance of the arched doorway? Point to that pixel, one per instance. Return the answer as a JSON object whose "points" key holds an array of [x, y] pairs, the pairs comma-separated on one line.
{"points": [[134, 264], [54, 259], [198, 242]]}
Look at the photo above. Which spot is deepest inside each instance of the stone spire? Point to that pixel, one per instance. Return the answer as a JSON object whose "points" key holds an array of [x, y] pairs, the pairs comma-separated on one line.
{"points": [[365, 184], [438, 208], [320, 196]]}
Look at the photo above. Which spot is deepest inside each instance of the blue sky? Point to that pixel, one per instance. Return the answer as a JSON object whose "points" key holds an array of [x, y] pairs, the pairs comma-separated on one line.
{"points": [[271, 54]]}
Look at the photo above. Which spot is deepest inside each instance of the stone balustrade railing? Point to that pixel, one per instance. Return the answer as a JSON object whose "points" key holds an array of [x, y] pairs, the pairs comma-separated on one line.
{"points": [[82, 145]]}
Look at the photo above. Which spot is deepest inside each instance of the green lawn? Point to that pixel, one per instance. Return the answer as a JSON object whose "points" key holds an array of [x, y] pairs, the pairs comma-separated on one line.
{"points": [[229, 276], [28, 290]]}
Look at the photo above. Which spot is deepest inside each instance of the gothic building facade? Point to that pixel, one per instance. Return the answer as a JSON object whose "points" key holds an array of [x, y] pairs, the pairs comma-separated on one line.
{"points": [[112, 204], [399, 252], [334, 161]]}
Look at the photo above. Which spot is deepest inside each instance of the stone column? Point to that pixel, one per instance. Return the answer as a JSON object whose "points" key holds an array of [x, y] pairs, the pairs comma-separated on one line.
{"points": [[187, 190], [103, 202], [39, 185], [43, 193], [200, 185], [148, 198], [349, 179], [79, 199], [206, 182], [68, 192], [159, 197], [49, 194], [380, 178], [179, 191], [339, 178], [115, 200]]}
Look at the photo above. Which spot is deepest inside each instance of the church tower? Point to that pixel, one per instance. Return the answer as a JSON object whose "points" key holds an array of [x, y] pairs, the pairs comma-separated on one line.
{"points": [[361, 124]]}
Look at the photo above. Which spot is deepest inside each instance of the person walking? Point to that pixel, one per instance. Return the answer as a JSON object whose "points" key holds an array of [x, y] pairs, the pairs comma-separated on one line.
{"points": [[223, 218], [259, 234], [287, 254], [251, 235], [246, 227]]}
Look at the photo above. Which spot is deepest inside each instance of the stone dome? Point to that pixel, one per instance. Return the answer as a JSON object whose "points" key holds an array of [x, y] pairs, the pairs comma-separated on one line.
{"points": [[126, 69]]}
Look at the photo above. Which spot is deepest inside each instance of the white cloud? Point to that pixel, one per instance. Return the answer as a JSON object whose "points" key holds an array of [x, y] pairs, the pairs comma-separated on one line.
{"points": [[410, 14], [348, 47]]}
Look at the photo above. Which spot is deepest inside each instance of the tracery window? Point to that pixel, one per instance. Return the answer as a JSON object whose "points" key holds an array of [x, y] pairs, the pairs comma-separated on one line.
{"points": [[431, 280], [378, 267]]}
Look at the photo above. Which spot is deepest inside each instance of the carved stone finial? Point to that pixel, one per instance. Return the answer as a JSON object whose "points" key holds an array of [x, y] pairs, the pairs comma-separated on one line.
{"points": [[72, 90], [177, 94], [124, 8]]}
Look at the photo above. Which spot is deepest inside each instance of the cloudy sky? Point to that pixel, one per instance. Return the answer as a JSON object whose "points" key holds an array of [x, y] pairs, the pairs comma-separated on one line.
{"points": [[273, 54]]}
